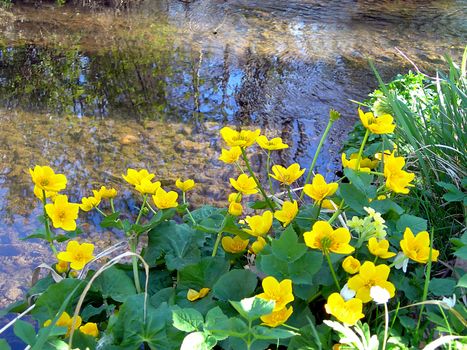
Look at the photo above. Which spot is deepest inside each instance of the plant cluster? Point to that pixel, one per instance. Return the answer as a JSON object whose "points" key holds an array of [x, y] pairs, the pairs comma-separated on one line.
{"points": [[328, 265]]}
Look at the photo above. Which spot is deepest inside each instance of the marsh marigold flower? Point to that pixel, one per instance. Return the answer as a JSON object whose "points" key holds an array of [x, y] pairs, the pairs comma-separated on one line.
{"points": [[288, 212], [243, 138], [134, 177], [77, 254], [274, 144], [259, 224], [417, 247], [277, 318], [66, 321], [40, 194], [62, 213], [366, 164], [258, 245], [351, 265], [186, 185], [235, 209], [61, 266], [46, 179], [348, 312], [234, 245], [105, 193], [369, 276], [230, 156], [397, 179], [90, 328], [288, 175], [146, 186], [319, 189], [235, 197], [280, 292], [380, 248], [323, 237], [165, 200], [382, 124], [244, 184], [89, 203], [193, 295]]}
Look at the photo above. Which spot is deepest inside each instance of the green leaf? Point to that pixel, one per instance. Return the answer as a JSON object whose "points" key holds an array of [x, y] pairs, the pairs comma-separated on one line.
{"points": [[461, 252], [214, 317], [354, 198], [4, 345], [111, 220], [235, 285], [442, 286], [232, 327], [362, 181], [204, 273], [415, 223], [253, 308], [462, 283], [116, 284], [386, 206], [287, 247], [25, 331], [261, 332], [187, 320], [198, 341]]}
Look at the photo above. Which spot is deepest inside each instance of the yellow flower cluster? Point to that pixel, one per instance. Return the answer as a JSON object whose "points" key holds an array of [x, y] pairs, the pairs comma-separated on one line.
{"points": [[68, 322], [281, 294]]}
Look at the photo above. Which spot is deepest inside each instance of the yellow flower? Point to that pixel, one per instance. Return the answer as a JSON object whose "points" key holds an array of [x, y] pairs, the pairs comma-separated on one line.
{"points": [[351, 265], [280, 292], [258, 245], [366, 164], [134, 177], [66, 321], [348, 312], [380, 249], [234, 245], [46, 179], [48, 194], [277, 318], [288, 213], [319, 189], [77, 254], [235, 197], [288, 175], [381, 197], [193, 295], [235, 209], [271, 145], [165, 200], [369, 276], [417, 247], [62, 213], [327, 204], [244, 184], [90, 328], [323, 237], [382, 124], [259, 224], [146, 186], [397, 179], [89, 203], [105, 193], [230, 156], [242, 138], [61, 266], [184, 186]]}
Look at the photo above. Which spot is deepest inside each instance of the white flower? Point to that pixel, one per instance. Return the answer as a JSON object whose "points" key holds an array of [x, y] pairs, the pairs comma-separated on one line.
{"points": [[401, 261], [380, 295], [450, 302], [347, 293]]}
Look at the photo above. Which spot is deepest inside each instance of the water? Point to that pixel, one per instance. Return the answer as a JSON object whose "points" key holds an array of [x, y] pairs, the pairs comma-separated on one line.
{"points": [[94, 92]]}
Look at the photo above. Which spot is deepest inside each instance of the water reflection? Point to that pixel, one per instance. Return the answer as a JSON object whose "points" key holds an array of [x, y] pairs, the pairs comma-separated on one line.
{"points": [[92, 93]]}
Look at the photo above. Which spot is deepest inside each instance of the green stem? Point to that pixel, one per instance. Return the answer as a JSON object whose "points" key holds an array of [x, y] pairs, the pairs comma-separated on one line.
{"points": [[320, 204], [360, 152], [48, 232], [112, 205], [134, 260], [427, 281], [268, 164], [239, 167], [337, 212], [289, 193], [216, 244], [386, 325], [376, 173], [145, 197], [328, 258], [315, 157], [188, 210], [247, 162], [100, 212]]}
